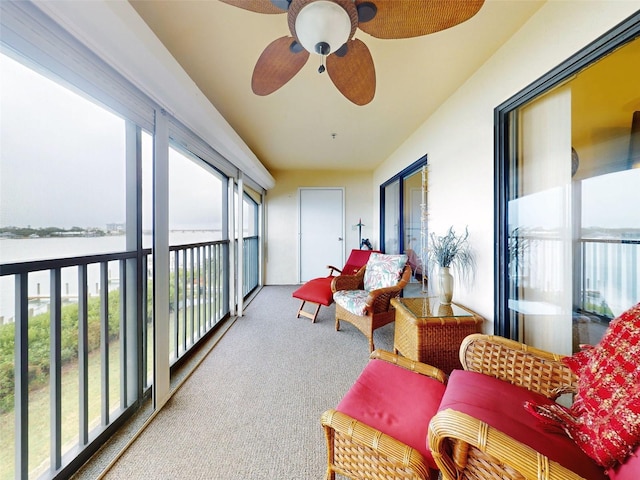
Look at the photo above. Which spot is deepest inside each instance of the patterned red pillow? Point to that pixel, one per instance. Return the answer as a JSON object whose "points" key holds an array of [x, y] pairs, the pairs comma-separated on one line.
{"points": [[605, 417]]}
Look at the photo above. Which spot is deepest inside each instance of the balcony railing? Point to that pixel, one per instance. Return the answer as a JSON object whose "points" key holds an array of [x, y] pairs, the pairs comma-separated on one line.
{"points": [[79, 349], [606, 272], [610, 276], [198, 291], [251, 271]]}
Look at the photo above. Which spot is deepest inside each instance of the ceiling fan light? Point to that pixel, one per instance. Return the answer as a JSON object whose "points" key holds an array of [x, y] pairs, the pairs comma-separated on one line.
{"points": [[322, 22]]}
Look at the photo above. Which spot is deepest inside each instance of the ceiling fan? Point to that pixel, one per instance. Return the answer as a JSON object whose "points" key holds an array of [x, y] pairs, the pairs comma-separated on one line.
{"points": [[327, 27]]}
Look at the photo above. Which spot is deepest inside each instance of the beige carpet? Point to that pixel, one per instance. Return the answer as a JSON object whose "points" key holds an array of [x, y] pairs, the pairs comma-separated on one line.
{"points": [[252, 408]]}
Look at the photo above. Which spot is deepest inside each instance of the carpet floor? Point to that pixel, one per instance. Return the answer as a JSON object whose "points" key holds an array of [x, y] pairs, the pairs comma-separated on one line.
{"points": [[251, 410]]}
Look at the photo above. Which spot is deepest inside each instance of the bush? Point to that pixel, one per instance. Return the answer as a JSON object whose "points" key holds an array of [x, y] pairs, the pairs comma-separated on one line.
{"points": [[39, 349]]}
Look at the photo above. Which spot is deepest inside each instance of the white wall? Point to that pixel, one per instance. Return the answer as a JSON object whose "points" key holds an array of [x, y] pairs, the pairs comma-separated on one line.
{"points": [[282, 216], [458, 138]]}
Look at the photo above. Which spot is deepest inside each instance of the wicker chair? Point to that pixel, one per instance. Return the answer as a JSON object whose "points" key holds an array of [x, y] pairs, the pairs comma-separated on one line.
{"points": [[357, 450], [378, 310], [466, 448]]}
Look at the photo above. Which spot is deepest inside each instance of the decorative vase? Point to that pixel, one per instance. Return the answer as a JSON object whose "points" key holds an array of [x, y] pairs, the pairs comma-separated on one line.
{"points": [[446, 286]]}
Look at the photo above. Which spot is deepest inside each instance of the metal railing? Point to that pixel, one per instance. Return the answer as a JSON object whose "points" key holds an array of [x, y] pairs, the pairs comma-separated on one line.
{"points": [[251, 269], [606, 272], [199, 292], [610, 276], [99, 339], [89, 335]]}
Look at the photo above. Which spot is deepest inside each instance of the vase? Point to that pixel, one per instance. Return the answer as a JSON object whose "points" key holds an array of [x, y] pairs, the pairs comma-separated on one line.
{"points": [[446, 286]]}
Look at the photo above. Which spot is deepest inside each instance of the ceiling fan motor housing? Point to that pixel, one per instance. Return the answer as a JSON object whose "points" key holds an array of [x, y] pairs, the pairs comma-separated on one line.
{"points": [[322, 26]]}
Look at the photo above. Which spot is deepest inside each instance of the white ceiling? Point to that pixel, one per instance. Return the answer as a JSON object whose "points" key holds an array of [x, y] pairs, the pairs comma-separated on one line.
{"points": [[218, 44]]}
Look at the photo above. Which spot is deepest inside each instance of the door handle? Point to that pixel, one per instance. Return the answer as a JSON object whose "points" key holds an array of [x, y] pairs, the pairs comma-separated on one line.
{"points": [[339, 239]]}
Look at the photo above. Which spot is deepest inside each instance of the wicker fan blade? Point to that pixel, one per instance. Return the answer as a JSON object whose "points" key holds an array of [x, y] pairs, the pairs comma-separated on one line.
{"points": [[278, 64], [259, 6], [353, 74], [412, 18]]}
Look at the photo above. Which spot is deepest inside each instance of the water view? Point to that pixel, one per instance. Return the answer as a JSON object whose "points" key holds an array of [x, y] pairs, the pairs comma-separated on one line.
{"points": [[14, 250]]}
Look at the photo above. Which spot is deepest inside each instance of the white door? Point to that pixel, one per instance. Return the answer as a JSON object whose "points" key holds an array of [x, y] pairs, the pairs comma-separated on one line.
{"points": [[321, 231]]}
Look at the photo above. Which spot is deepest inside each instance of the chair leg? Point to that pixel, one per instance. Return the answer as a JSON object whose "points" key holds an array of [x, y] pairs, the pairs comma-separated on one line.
{"points": [[337, 325], [313, 315]]}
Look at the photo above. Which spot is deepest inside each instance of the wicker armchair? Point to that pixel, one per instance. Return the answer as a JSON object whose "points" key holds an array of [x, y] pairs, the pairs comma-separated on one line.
{"points": [[378, 310], [357, 450], [466, 448]]}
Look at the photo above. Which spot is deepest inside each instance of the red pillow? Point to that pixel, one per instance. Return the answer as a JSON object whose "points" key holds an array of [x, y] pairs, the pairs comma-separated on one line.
{"points": [[605, 418]]}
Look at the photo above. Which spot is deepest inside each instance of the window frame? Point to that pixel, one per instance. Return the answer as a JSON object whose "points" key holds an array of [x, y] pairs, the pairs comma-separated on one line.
{"points": [[506, 128], [399, 177]]}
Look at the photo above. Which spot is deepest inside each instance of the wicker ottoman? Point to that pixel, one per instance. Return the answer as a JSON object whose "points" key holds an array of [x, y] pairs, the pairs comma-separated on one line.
{"points": [[428, 332]]}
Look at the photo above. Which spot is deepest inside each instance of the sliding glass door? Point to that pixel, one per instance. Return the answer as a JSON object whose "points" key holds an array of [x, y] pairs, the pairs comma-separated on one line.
{"points": [[568, 224], [402, 200]]}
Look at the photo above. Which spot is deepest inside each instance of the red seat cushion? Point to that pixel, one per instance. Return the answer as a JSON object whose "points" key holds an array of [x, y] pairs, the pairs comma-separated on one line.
{"points": [[317, 290], [604, 418], [501, 405], [395, 401]]}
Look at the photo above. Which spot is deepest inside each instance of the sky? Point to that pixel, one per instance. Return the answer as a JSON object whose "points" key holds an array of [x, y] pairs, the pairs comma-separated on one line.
{"points": [[62, 161], [62, 165]]}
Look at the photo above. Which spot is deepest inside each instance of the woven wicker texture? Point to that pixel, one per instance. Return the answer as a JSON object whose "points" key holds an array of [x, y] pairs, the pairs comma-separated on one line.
{"points": [[517, 363], [357, 450], [413, 18], [466, 448], [276, 66], [379, 309], [354, 74], [432, 339]]}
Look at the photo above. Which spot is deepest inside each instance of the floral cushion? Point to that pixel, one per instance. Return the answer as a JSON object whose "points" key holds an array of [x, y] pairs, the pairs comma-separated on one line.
{"points": [[353, 301], [383, 270], [604, 419]]}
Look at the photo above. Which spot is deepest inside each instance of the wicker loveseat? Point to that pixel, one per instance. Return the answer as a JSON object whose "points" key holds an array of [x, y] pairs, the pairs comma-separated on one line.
{"points": [[498, 418]]}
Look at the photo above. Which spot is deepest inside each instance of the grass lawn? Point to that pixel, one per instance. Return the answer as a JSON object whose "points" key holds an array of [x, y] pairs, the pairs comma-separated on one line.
{"points": [[39, 417]]}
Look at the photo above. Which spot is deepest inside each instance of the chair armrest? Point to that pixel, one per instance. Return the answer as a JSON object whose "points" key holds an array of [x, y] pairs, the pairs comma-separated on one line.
{"points": [[458, 441], [378, 300], [348, 282], [395, 454], [408, 364], [514, 362], [333, 269]]}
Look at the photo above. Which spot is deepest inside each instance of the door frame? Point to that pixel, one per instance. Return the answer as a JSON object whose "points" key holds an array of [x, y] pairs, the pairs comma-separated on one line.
{"points": [[299, 217]]}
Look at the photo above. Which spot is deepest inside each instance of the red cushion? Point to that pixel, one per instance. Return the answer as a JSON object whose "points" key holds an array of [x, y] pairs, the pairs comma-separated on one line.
{"points": [[396, 401], [607, 404], [604, 419], [357, 259], [629, 470], [317, 290], [501, 405], [351, 269]]}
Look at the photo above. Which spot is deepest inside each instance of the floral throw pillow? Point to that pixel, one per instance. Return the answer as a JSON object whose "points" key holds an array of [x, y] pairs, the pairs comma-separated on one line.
{"points": [[383, 270], [604, 419]]}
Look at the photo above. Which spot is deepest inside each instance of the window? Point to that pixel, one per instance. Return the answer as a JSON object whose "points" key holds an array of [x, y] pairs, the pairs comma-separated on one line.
{"points": [[65, 166], [569, 163], [401, 211]]}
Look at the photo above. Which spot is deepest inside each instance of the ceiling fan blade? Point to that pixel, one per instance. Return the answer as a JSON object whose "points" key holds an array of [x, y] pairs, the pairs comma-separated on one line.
{"points": [[353, 73], [278, 64], [413, 18], [260, 6]]}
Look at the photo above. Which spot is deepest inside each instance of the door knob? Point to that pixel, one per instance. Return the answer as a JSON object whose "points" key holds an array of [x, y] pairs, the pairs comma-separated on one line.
{"points": [[339, 239]]}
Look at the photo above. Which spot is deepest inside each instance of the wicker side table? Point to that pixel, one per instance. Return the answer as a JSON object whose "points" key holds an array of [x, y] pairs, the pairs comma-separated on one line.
{"points": [[431, 333]]}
